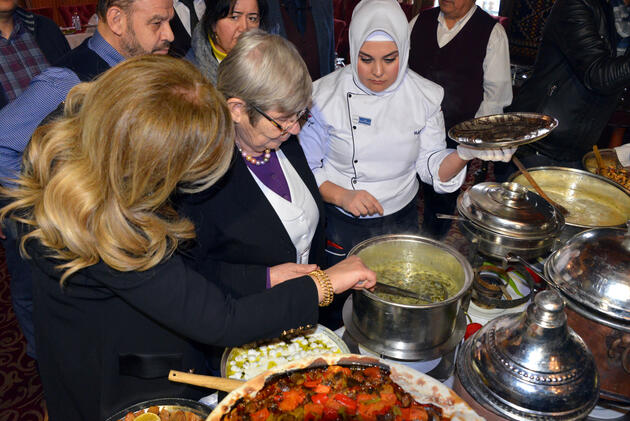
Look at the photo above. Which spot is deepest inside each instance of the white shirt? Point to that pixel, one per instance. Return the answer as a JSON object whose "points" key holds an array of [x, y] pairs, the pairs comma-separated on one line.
{"points": [[497, 78], [184, 13], [300, 216]]}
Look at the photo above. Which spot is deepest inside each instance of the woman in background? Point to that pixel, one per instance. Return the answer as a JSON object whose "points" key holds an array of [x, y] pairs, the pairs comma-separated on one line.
{"points": [[221, 25], [115, 306]]}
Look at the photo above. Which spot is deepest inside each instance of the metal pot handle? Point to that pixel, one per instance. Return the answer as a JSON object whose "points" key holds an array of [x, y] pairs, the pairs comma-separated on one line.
{"points": [[510, 257]]}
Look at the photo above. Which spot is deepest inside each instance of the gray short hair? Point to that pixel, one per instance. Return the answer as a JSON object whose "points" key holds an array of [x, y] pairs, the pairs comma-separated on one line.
{"points": [[265, 70]]}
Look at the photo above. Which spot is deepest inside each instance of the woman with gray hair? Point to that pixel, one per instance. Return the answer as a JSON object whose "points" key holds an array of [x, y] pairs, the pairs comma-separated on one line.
{"points": [[263, 222]]}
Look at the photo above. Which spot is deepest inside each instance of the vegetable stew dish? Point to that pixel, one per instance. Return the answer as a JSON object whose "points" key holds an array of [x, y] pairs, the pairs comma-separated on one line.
{"points": [[343, 387], [333, 393]]}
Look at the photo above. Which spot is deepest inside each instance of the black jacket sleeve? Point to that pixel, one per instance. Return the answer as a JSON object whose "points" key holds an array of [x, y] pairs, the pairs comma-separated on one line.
{"points": [[584, 31]]}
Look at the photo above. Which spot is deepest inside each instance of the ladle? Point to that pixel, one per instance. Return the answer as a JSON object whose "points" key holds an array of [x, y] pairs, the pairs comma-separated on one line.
{"points": [[390, 289], [564, 211]]}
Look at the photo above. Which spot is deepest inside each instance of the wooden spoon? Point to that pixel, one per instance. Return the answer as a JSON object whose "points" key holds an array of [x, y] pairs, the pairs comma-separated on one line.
{"points": [[564, 211], [598, 159], [218, 383]]}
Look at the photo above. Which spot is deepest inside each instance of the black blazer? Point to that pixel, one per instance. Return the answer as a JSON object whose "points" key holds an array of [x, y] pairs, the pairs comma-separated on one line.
{"points": [[239, 234], [108, 339]]}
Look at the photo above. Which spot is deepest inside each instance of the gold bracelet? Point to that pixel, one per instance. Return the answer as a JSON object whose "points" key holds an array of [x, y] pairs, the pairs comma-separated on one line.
{"points": [[326, 285]]}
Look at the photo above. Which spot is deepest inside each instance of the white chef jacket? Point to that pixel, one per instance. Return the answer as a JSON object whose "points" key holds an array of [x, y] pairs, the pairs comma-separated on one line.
{"points": [[378, 143], [497, 78]]}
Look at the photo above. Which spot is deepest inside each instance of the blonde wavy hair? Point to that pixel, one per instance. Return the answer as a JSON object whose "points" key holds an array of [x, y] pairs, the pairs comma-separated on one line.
{"points": [[96, 183]]}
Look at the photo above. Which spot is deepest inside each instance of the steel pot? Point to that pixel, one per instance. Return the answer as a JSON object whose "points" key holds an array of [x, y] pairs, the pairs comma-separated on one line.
{"points": [[593, 201], [592, 271], [506, 217], [409, 332], [528, 366]]}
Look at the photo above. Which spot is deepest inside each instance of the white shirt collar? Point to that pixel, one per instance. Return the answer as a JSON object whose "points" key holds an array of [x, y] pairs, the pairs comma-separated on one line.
{"points": [[460, 23]]}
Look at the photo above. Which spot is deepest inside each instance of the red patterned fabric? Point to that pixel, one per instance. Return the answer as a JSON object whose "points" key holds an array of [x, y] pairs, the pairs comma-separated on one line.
{"points": [[44, 11], [22, 393], [85, 12]]}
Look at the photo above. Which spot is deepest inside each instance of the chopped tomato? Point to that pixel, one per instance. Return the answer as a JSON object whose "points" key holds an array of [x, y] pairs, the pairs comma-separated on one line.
{"points": [[322, 388], [313, 411], [311, 383], [330, 414], [260, 415], [337, 368], [319, 399], [414, 414], [367, 398], [291, 400], [374, 372], [346, 401], [389, 399], [331, 403]]}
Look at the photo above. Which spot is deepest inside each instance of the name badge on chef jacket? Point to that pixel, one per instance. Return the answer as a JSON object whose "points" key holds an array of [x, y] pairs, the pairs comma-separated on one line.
{"points": [[366, 121], [303, 258]]}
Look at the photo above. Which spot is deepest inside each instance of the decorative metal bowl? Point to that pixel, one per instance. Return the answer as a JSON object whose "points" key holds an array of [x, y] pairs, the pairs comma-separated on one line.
{"points": [[502, 130]]}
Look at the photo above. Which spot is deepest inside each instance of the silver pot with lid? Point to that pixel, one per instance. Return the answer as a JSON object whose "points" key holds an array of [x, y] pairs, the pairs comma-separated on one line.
{"points": [[592, 271], [528, 366], [507, 217]]}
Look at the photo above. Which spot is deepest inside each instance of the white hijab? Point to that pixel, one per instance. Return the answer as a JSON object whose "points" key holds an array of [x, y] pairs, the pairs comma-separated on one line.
{"points": [[379, 15]]}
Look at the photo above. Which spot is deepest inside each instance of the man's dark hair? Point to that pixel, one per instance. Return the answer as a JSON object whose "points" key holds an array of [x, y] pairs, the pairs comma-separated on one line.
{"points": [[103, 5]]}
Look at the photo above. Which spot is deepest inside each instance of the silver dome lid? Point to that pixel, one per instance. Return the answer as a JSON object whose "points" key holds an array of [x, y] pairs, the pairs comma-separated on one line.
{"points": [[530, 365], [593, 269]]}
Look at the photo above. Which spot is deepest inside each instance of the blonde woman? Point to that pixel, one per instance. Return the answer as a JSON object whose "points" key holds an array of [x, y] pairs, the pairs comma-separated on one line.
{"points": [[115, 306]]}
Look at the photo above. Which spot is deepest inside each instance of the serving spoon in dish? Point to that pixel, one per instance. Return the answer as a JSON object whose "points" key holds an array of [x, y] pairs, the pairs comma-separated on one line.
{"points": [[564, 211], [401, 292]]}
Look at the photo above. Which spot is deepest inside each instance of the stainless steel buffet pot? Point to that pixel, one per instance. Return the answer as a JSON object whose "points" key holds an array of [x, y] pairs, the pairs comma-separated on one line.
{"points": [[507, 217], [528, 366], [592, 273], [592, 201], [407, 331]]}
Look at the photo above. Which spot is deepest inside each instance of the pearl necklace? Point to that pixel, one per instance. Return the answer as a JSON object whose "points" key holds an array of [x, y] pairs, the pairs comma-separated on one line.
{"points": [[253, 160]]}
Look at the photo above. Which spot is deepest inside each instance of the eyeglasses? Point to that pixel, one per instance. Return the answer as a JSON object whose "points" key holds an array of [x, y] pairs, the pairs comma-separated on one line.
{"points": [[299, 117]]}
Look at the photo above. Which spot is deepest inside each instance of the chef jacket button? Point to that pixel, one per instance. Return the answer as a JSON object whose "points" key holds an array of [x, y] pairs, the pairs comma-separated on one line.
{"points": [[354, 181], [354, 127], [356, 161], [349, 95]]}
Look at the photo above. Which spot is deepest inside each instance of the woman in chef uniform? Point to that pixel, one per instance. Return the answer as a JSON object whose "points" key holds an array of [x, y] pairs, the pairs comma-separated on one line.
{"points": [[374, 127]]}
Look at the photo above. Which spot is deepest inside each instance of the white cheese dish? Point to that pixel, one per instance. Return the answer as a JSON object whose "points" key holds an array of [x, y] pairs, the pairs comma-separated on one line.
{"points": [[247, 361]]}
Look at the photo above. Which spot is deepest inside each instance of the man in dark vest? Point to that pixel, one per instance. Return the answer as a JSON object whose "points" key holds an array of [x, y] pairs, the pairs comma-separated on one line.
{"points": [[188, 13], [465, 50], [126, 28]]}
